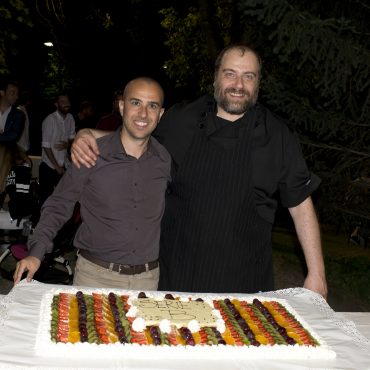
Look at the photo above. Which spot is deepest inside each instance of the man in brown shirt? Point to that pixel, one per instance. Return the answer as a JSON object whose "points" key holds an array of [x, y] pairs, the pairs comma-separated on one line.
{"points": [[121, 198]]}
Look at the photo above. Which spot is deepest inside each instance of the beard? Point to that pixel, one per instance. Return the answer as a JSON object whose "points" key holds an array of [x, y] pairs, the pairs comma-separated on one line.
{"points": [[65, 110], [235, 107]]}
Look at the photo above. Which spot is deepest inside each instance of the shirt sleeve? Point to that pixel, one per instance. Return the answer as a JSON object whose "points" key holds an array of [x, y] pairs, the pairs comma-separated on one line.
{"points": [[47, 132], [57, 210], [72, 129], [296, 182], [13, 129]]}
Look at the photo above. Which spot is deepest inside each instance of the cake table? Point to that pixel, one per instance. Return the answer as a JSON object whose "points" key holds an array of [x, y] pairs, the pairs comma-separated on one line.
{"points": [[19, 312]]}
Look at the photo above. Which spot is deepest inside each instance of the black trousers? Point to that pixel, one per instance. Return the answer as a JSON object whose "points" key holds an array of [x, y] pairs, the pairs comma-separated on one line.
{"points": [[49, 179]]}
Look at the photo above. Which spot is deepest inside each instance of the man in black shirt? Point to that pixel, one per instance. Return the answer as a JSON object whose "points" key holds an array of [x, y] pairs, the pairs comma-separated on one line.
{"points": [[230, 158]]}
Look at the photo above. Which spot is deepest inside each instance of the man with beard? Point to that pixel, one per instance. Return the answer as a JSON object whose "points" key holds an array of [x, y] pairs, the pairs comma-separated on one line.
{"points": [[58, 131], [231, 160], [122, 201]]}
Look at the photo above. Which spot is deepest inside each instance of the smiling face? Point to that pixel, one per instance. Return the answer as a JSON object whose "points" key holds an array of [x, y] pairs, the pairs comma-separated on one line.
{"points": [[141, 109], [63, 104], [236, 83]]}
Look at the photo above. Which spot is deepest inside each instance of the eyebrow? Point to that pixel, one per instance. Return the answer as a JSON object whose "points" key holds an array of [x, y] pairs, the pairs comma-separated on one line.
{"points": [[233, 70], [149, 102]]}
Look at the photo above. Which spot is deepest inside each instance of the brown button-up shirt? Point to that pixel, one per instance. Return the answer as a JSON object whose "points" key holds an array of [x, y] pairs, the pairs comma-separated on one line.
{"points": [[122, 203]]}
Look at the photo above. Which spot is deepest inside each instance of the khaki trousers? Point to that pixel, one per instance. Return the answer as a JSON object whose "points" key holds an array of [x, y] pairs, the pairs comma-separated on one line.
{"points": [[91, 275]]}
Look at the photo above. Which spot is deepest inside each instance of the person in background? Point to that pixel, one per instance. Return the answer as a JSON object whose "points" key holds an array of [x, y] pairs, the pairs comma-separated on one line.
{"points": [[12, 123], [24, 102], [16, 184], [85, 116], [231, 161], [113, 120], [6, 161], [12, 120], [58, 131], [121, 201]]}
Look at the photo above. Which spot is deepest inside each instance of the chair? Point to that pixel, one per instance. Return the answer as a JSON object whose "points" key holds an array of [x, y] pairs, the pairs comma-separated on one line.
{"points": [[54, 269]]}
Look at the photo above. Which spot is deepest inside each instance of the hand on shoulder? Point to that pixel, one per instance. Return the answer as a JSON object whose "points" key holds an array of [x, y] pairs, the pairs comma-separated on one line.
{"points": [[84, 150]]}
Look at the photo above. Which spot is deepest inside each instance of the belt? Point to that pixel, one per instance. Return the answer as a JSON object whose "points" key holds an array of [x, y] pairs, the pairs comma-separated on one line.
{"points": [[120, 268]]}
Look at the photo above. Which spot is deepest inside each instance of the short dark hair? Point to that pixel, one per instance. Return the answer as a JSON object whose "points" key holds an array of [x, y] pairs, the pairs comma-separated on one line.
{"points": [[86, 104], [59, 94], [117, 95], [242, 49], [6, 81]]}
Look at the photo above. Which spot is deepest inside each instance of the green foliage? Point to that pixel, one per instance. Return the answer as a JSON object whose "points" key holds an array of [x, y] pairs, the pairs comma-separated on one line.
{"points": [[14, 19], [192, 41], [317, 74], [348, 275], [56, 77], [351, 275], [185, 42]]}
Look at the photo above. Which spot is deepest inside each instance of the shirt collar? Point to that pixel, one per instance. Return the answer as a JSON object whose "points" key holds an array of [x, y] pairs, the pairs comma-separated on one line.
{"points": [[117, 147], [60, 116], [212, 126]]}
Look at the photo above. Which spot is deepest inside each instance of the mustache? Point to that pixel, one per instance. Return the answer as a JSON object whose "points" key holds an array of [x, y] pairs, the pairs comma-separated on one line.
{"points": [[236, 91]]}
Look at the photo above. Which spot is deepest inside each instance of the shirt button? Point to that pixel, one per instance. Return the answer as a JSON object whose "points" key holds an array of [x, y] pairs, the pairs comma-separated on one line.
{"points": [[135, 206], [135, 183]]}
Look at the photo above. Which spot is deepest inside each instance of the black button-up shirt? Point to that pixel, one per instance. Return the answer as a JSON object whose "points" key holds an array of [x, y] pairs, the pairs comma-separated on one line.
{"points": [[279, 170]]}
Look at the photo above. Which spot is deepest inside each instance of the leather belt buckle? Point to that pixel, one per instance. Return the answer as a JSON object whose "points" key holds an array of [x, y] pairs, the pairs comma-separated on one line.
{"points": [[127, 269], [123, 267]]}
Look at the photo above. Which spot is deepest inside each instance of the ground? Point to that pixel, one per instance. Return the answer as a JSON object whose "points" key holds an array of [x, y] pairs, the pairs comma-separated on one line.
{"points": [[289, 268]]}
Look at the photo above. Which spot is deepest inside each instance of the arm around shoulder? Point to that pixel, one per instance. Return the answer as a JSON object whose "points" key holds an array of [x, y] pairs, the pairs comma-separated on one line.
{"points": [[84, 150]]}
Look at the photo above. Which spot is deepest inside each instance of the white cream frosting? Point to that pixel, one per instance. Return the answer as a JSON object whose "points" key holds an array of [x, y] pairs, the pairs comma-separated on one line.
{"points": [[194, 326], [165, 326], [138, 324]]}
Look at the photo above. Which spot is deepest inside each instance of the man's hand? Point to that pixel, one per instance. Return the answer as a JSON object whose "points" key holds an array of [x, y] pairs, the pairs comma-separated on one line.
{"points": [[84, 149], [30, 264], [316, 284]]}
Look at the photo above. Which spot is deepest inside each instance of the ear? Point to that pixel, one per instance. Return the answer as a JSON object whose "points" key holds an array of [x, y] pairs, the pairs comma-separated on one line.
{"points": [[121, 105], [161, 113]]}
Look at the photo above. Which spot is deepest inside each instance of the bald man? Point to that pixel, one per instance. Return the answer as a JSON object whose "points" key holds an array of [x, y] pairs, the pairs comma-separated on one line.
{"points": [[122, 201]]}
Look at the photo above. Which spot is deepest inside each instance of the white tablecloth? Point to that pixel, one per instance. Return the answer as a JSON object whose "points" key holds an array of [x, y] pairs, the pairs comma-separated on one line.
{"points": [[18, 327], [361, 320]]}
